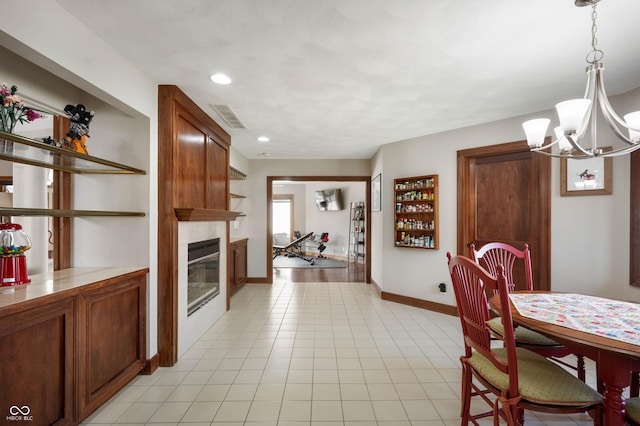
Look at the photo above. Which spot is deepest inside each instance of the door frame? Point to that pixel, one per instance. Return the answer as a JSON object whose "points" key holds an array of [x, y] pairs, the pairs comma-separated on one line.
{"points": [[365, 179], [466, 195]]}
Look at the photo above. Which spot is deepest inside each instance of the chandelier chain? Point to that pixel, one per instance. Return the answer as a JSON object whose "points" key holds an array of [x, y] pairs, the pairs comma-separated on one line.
{"points": [[596, 54]]}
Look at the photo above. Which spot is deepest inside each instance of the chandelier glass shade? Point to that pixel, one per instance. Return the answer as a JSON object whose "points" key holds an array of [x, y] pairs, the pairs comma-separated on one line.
{"points": [[578, 117]]}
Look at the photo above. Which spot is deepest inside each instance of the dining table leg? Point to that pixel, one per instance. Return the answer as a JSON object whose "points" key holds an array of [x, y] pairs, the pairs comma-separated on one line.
{"points": [[614, 371]]}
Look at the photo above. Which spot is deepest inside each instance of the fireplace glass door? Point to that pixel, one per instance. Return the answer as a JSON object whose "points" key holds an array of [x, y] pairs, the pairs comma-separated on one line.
{"points": [[203, 273]]}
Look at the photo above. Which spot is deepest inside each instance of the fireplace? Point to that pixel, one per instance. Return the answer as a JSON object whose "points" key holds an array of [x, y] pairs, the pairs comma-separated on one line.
{"points": [[203, 282]]}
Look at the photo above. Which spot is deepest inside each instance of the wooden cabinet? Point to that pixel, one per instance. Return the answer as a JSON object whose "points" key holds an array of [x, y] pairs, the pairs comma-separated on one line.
{"points": [[38, 362], [111, 333], [70, 340], [416, 212], [237, 265]]}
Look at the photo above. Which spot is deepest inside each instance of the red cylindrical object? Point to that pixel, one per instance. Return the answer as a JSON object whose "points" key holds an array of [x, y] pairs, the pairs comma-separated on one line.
{"points": [[13, 271]]}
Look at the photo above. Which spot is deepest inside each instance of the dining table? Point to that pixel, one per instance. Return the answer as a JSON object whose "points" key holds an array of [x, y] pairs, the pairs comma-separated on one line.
{"points": [[604, 330]]}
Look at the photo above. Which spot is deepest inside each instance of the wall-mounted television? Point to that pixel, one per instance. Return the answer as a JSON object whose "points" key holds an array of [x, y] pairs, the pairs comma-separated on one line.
{"points": [[329, 199]]}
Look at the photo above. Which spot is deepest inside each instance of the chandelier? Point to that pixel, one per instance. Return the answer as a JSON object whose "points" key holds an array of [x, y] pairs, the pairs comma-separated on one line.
{"points": [[578, 117]]}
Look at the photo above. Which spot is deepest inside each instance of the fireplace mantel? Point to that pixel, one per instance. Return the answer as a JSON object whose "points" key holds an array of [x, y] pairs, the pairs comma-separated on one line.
{"points": [[200, 215]]}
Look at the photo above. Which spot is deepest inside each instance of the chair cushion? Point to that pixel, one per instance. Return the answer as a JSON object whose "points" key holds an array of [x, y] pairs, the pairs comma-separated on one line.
{"points": [[540, 381], [523, 335], [633, 409]]}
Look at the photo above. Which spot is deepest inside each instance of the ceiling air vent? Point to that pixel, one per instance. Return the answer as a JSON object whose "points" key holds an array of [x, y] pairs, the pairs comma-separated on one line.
{"points": [[229, 116]]}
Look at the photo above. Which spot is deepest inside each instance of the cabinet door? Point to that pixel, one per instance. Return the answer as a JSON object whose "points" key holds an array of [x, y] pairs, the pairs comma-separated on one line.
{"points": [[241, 264], [233, 254], [111, 331], [37, 365]]}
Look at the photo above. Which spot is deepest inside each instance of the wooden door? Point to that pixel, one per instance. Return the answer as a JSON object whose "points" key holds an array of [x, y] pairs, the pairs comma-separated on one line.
{"points": [[504, 195]]}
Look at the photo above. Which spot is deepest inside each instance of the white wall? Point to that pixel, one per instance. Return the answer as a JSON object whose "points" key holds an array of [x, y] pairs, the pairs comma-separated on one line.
{"points": [[125, 131], [378, 222], [255, 225], [336, 223], [590, 234]]}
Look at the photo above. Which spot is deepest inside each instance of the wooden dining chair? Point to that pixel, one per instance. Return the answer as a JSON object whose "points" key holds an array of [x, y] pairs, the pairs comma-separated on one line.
{"points": [[490, 256], [519, 378]]}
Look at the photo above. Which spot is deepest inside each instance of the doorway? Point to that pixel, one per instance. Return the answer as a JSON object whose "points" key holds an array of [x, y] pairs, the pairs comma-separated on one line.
{"points": [[360, 273], [504, 194]]}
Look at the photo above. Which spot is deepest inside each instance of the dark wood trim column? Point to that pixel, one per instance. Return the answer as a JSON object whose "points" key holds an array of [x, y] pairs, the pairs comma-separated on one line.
{"points": [[193, 177]]}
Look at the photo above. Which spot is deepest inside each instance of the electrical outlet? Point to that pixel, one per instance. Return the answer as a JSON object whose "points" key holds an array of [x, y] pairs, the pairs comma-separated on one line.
{"points": [[442, 287]]}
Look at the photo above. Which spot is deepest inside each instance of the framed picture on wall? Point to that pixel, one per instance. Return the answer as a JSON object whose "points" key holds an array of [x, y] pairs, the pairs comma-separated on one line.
{"points": [[376, 193], [591, 176]]}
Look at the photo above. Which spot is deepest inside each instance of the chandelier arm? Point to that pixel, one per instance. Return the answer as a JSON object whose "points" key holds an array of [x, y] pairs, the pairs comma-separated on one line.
{"points": [[574, 143], [610, 119], [621, 151], [607, 109], [561, 155], [543, 147]]}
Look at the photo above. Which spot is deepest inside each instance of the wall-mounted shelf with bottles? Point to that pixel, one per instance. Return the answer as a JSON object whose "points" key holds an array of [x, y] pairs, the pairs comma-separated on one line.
{"points": [[18, 149], [416, 212]]}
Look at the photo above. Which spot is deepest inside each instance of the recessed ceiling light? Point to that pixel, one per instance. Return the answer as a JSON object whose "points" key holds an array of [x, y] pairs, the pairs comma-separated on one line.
{"points": [[220, 78], [263, 139], [266, 154]]}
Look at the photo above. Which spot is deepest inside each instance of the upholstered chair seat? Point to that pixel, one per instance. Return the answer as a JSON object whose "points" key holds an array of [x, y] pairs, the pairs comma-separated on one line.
{"points": [[540, 381]]}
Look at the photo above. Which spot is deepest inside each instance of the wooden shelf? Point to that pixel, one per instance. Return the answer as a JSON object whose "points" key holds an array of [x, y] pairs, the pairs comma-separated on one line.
{"points": [[201, 215], [416, 212], [235, 174], [15, 211], [19, 149]]}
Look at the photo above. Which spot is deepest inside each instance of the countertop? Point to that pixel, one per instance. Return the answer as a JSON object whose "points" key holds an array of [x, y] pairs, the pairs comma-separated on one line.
{"points": [[63, 283]]}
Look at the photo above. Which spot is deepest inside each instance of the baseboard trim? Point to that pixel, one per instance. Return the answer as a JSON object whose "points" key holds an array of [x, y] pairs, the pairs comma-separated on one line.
{"points": [[376, 287], [151, 365], [420, 303], [259, 280]]}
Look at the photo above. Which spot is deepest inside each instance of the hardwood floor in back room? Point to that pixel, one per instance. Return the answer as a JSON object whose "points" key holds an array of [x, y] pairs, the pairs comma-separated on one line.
{"points": [[353, 274]]}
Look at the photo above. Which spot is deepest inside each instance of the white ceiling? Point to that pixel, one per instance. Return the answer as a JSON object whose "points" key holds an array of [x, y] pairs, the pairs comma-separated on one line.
{"points": [[339, 78]]}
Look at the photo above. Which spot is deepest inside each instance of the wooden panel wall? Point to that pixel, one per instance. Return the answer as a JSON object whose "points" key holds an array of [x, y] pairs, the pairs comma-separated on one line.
{"points": [[191, 165], [193, 172]]}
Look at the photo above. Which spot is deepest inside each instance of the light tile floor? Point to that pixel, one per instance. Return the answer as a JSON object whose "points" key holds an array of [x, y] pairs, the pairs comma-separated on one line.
{"points": [[314, 354]]}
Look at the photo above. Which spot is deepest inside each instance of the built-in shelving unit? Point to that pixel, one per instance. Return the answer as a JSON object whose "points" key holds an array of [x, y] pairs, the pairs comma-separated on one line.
{"points": [[18, 149], [235, 174], [416, 212], [356, 232], [9, 211]]}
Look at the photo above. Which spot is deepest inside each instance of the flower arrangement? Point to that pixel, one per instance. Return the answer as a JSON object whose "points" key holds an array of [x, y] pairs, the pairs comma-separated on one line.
{"points": [[13, 110]]}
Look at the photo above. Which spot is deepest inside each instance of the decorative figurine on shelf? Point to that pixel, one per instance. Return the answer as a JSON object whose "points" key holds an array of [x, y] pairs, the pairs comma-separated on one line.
{"points": [[13, 263], [48, 140], [76, 138]]}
